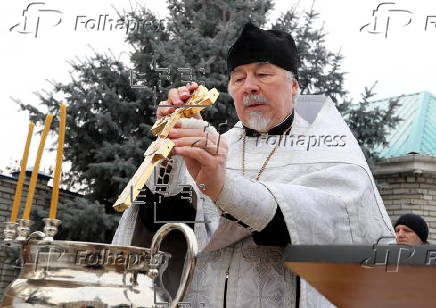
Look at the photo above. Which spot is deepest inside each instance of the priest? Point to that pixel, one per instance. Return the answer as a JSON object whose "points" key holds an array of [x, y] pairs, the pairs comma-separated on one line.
{"points": [[289, 172]]}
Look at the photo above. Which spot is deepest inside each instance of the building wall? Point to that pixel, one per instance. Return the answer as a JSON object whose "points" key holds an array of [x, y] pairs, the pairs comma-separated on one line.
{"points": [[7, 191], [407, 184], [410, 192]]}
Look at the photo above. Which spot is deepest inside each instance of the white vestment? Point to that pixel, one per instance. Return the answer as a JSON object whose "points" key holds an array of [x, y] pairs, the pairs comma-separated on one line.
{"points": [[318, 177]]}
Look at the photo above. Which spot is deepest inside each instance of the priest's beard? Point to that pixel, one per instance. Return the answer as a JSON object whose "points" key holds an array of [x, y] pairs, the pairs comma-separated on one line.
{"points": [[258, 122], [256, 119]]}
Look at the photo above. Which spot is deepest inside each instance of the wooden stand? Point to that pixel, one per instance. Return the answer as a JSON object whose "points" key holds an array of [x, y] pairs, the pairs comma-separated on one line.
{"points": [[394, 276]]}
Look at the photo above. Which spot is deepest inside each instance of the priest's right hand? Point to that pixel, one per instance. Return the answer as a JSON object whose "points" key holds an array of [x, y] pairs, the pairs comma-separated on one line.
{"points": [[177, 96]]}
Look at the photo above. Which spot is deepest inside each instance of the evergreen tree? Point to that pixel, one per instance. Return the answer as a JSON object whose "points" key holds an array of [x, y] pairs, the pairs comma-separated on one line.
{"points": [[370, 125], [320, 73], [108, 127], [197, 36], [82, 220], [109, 121]]}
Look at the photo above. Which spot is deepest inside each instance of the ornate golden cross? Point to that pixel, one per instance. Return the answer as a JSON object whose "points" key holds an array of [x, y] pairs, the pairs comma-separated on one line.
{"points": [[161, 147]]}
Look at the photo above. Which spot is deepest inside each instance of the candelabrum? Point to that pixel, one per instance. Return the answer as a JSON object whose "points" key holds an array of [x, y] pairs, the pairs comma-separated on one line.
{"points": [[10, 231], [23, 229], [20, 230], [51, 228]]}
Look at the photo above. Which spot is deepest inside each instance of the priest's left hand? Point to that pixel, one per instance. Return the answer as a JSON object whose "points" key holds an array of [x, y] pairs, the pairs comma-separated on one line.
{"points": [[205, 155]]}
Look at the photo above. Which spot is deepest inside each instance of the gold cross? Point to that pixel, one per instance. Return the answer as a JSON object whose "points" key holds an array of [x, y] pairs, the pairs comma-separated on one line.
{"points": [[160, 148]]}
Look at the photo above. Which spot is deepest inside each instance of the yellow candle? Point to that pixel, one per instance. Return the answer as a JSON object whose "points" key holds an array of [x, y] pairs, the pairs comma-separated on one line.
{"points": [[34, 176], [58, 168], [21, 177]]}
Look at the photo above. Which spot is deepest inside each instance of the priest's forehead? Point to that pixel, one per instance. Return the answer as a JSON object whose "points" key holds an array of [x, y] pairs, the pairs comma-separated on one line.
{"points": [[256, 66]]}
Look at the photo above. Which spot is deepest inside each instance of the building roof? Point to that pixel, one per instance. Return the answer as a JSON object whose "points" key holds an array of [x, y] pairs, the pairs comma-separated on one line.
{"points": [[416, 133]]}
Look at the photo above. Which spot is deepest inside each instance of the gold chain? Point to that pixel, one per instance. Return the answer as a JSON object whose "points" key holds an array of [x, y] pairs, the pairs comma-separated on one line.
{"points": [[265, 163]]}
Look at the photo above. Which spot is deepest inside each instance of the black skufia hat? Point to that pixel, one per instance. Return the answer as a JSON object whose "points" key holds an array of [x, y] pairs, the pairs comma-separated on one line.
{"points": [[257, 45], [416, 223]]}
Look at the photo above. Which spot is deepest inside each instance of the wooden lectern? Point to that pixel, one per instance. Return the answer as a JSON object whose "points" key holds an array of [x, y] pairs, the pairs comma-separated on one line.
{"points": [[397, 276]]}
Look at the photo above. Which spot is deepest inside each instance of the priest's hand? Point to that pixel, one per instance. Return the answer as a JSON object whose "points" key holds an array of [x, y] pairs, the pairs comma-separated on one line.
{"points": [[205, 155], [177, 96]]}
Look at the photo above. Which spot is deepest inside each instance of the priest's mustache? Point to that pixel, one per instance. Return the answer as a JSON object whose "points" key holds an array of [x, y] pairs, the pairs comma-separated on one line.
{"points": [[254, 99]]}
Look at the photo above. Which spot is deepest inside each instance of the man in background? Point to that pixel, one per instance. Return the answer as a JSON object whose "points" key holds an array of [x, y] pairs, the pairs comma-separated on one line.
{"points": [[411, 229]]}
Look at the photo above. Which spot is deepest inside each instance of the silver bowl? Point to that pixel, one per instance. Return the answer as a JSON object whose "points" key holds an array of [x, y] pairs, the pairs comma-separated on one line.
{"points": [[82, 274]]}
